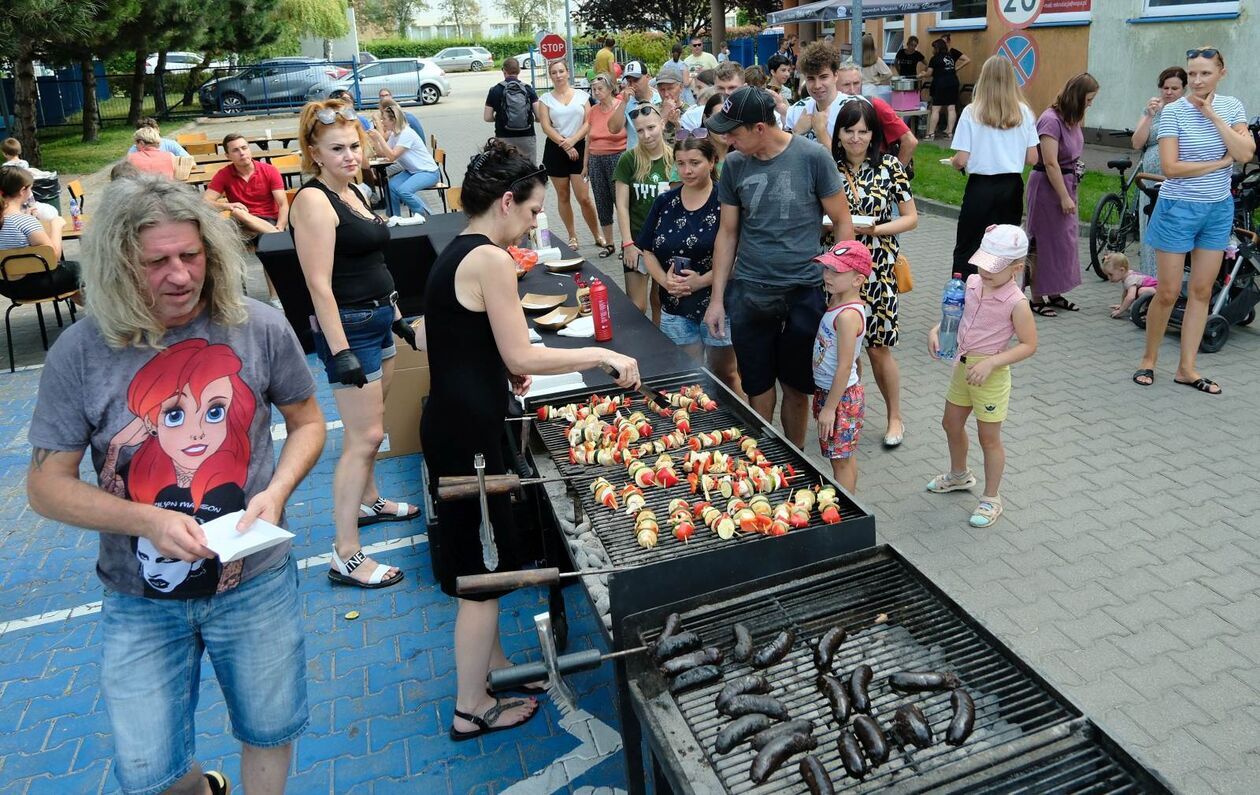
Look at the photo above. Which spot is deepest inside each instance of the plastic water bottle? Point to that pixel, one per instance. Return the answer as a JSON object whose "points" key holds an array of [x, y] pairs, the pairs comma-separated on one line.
{"points": [[76, 219], [543, 232], [951, 317]]}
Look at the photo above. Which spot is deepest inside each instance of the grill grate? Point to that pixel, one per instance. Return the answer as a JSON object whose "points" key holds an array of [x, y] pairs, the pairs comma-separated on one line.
{"points": [[895, 621], [615, 529]]}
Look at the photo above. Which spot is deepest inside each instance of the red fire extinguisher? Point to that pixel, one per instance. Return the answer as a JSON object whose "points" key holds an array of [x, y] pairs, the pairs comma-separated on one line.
{"points": [[600, 312]]}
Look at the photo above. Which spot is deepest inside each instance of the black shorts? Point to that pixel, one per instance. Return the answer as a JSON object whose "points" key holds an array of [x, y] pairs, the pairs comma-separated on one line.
{"points": [[773, 330], [946, 93], [557, 162]]}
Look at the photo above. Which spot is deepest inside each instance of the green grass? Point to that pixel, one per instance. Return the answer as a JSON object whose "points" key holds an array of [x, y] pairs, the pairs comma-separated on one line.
{"points": [[942, 183], [63, 149]]}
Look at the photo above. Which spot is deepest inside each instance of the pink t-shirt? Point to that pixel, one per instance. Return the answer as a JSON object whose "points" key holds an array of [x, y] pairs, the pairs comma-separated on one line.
{"points": [[153, 161], [986, 326]]}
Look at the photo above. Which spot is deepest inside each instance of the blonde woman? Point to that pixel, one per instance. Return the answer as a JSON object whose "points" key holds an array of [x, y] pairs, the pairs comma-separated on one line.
{"points": [[995, 139], [874, 71], [641, 175], [341, 247], [399, 144], [149, 156], [564, 113]]}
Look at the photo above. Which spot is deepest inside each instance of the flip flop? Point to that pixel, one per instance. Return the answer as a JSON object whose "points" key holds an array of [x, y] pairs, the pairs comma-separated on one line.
{"points": [[1204, 385], [485, 721], [1059, 302], [1145, 373]]}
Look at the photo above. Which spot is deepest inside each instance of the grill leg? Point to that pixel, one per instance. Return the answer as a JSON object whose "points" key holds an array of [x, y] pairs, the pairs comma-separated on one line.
{"points": [[631, 735]]}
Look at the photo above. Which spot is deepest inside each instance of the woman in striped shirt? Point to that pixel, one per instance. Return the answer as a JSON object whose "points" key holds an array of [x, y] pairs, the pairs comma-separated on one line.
{"points": [[1201, 136]]}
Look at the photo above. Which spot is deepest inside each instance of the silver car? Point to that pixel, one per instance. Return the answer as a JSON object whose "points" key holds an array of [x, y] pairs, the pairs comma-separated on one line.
{"points": [[408, 79], [458, 59]]}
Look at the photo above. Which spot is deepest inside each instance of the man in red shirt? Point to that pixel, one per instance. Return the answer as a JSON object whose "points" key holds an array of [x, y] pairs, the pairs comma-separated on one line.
{"points": [[253, 191]]}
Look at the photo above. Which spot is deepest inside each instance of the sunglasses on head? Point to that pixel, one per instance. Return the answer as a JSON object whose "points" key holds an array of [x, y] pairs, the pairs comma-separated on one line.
{"points": [[643, 111], [328, 115], [1206, 52], [699, 132]]}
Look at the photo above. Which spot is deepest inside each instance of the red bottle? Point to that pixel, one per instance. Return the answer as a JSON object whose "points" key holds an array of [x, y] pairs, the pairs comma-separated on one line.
{"points": [[600, 312]]}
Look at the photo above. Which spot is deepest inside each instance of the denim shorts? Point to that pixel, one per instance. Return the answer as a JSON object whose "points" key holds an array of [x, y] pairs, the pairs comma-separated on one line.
{"points": [[151, 672], [1179, 226], [682, 331], [773, 329], [370, 338]]}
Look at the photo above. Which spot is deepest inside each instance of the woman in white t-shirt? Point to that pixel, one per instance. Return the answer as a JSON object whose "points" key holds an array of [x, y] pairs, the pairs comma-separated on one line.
{"points": [[995, 138], [401, 145], [1201, 136], [19, 229], [564, 113]]}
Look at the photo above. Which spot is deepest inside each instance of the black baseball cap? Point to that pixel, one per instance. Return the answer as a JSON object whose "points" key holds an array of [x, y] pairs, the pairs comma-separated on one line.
{"points": [[748, 105]]}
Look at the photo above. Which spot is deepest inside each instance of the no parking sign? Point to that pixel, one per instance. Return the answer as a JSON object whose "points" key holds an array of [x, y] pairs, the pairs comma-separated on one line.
{"points": [[1020, 48]]}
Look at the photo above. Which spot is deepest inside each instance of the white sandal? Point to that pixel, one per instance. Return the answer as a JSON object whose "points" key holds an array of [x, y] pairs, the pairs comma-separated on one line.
{"points": [[341, 571], [371, 514]]}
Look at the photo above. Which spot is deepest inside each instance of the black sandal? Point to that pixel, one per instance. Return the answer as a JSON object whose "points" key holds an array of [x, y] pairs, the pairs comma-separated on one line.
{"points": [[1204, 385], [607, 250], [485, 722], [1042, 308], [1059, 302], [1144, 373]]}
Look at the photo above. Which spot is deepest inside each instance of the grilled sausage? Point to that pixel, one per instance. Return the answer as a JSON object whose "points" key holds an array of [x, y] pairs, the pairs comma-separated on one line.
{"points": [[921, 681], [751, 683], [964, 719], [837, 696], [694, 677], [775, 650], [912, 727], [674, 645], [815, 776], [798, 726], [673, 623], [740, 729], [851, 755], [777, 751], [870, 735], [743, 643], [685, 662], [825, 651], [859, 681], [748, 703]]}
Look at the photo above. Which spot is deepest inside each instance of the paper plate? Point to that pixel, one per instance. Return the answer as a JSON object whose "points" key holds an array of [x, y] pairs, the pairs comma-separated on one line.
{"points": [[565, 265], [558, 318], [533, 302]]}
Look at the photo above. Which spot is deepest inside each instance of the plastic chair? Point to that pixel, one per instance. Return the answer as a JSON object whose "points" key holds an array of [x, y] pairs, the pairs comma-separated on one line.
{"points": [[444, 185], [184, 139], [455, 198], [32, 262], [75, 188], [200, 147]]}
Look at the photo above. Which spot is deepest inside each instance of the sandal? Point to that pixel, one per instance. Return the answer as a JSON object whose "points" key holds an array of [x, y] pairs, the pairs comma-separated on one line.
{"points": [[218, 783], [986, 513], [371, 514], [341, 571], [1059, 302], [485, 722], [1148, 374], [606, 249], [573, 243], [1204, 385], [1042, 308]]}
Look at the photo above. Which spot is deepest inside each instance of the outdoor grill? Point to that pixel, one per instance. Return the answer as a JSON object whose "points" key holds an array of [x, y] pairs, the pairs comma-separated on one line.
{"points": [[1027, 737]]}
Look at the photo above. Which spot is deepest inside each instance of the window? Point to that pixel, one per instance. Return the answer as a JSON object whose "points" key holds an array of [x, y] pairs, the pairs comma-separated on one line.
{"points": [[1181, 8], [894, 37], [966, 13]]}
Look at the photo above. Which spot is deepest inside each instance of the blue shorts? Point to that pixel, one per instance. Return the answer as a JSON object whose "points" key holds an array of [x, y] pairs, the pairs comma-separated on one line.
{"points": [[151, 672], [370, 338], [1179, 226], [682, 331]]}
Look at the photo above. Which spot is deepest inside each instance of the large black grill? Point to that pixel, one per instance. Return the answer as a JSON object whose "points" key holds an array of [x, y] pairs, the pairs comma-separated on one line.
{"points": [[1027, 737]]}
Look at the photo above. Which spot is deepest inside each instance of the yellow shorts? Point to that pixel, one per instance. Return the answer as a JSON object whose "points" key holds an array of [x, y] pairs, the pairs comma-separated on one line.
{"points": [[990, 400]]}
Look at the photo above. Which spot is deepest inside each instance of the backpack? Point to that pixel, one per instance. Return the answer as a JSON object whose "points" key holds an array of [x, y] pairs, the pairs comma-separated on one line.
{"points": [[516, 113]]}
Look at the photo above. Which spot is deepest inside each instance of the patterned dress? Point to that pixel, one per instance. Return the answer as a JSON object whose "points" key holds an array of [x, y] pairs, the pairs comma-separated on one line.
{"points": [[877, 192]]}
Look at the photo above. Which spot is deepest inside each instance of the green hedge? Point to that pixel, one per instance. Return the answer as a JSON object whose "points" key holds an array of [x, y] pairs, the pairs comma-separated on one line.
{"points": [[505, 47]]}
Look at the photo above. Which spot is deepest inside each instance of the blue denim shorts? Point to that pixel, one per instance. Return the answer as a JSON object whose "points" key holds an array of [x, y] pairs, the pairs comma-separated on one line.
{"points": [[682, 331], [1179, 226], [151, 672], [369, 336]]}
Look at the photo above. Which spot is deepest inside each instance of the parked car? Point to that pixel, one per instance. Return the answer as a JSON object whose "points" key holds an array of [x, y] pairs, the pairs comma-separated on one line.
{"points": [[181, 61], [459, 59], [530, 59], [406, 78], [274, 83]]}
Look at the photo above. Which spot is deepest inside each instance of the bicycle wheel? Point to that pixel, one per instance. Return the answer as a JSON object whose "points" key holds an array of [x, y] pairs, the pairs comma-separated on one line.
{"points": [[1105, 233]]}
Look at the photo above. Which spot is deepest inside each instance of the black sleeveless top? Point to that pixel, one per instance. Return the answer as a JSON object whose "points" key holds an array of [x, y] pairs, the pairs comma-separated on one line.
{"points": [[359, 274]]}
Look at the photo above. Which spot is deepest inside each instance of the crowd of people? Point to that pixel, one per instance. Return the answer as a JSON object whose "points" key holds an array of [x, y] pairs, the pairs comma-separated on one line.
{"points": [[762, 236]]}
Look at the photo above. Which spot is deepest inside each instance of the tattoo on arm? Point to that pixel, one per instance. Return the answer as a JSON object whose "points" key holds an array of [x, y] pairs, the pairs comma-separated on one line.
{"points": [[38, 456]]}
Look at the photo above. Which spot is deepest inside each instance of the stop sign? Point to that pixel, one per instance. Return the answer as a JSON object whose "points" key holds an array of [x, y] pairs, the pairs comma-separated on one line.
{"points": [[552, 46]]}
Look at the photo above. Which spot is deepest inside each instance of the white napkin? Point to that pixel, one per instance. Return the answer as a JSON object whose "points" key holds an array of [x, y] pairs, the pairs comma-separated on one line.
{"points": [[582, 327], [230, 545], [398, 220], [534, 336]]}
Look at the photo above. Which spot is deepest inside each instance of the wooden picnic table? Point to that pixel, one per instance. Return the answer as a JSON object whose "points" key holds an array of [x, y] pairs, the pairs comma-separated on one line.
{"points": [[200, 178], [264, 154], [263, 141]]}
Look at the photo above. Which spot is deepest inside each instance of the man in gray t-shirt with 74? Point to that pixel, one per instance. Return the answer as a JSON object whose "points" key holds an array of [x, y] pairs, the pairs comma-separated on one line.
{"points": [[774, 190]]}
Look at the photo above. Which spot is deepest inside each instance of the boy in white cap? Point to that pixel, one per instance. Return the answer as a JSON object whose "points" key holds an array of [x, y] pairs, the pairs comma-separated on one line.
{"points": [[995, 309]]}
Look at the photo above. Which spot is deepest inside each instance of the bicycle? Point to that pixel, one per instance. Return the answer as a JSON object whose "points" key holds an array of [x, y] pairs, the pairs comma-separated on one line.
{"points": [[1115, 222]]}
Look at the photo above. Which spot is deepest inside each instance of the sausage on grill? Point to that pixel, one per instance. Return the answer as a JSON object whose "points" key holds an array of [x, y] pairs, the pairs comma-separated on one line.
{"points": [[740, 729], [674, 645], [859, 681], [750, 683], [815, 776], [837, 696], [695, 677], [749, 703], [743, 643], [685, 662], [798, 726], [777, 751], [775, 650], [964, 717], [851, 755], [870, 735], [825, 651], [673, 623], [912, 727], [921, 681]]}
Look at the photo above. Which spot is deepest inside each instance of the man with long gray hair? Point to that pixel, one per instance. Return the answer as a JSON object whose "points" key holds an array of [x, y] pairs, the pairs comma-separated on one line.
{"points": [[170, 381]]}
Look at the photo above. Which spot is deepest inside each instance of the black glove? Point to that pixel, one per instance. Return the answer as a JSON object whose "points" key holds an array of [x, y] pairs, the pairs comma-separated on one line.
{"points": [[405, 332], [348, 369]]}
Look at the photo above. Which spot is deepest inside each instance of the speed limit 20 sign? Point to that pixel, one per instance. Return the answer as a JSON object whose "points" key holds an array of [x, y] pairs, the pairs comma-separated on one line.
{"points": [[1018, 13]]}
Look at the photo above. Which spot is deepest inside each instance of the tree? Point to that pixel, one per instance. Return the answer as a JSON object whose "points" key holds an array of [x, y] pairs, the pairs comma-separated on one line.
{"points": [[97, 37], [324, 19], [679, 17], [465, 15], [528, 14], [389, 14]]}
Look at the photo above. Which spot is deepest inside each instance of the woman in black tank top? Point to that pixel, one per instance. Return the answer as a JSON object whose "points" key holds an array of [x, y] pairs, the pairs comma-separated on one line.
{"points": [[478, 347], [341, 247]]}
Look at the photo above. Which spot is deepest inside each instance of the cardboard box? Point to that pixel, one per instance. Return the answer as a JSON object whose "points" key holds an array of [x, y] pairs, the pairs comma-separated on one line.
{"points": [[407, 391]]}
